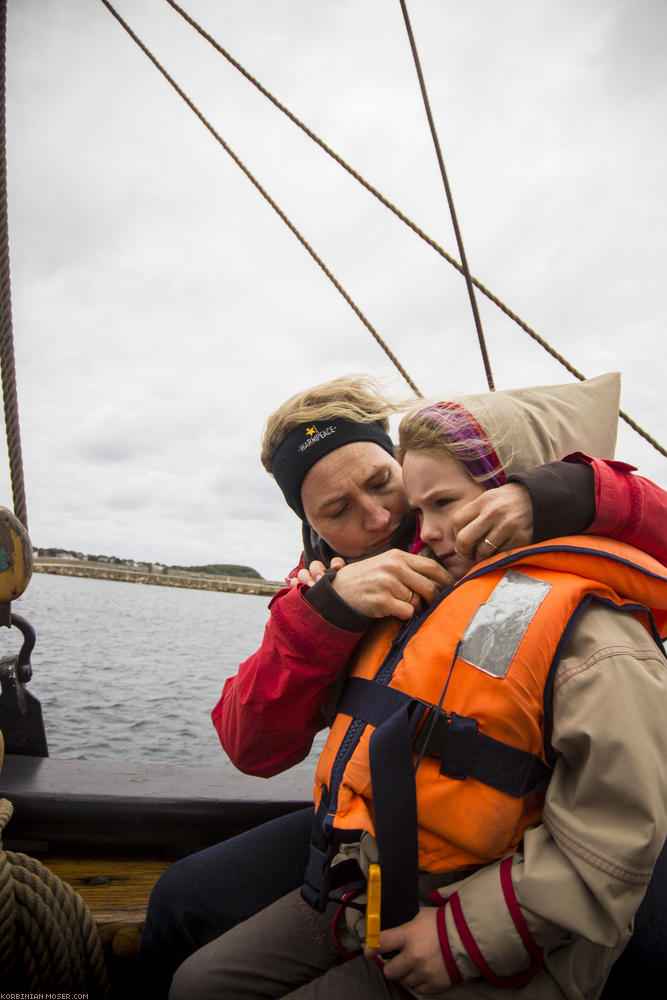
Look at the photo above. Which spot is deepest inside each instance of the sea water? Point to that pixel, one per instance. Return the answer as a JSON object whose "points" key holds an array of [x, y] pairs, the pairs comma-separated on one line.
{"points": [[127, 671]]}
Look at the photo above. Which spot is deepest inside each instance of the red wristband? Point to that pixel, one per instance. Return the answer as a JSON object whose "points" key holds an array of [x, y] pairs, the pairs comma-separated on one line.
{"points": [[530, 944], [450, 962]]}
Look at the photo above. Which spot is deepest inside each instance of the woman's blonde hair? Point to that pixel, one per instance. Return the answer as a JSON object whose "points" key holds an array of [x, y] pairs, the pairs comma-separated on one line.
{"points": [[353, 397], [447, 429]]}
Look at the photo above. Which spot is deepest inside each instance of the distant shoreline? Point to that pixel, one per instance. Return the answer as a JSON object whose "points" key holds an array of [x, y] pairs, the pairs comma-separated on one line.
{"points": [[161, 577]]}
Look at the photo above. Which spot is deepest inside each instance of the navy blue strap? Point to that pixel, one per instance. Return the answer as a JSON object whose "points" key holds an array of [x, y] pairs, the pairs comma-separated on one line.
{"points": [[372, 703], [463, 750], [395, 809], [320, 877]]}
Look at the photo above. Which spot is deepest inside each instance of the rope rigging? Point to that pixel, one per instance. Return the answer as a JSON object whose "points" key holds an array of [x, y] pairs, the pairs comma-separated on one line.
{"points": [[450, 199], [404, 219], [7, 362], [264, 193]]}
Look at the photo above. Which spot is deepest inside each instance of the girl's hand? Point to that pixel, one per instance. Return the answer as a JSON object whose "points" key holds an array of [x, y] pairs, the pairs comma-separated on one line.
{"points": [[419, 964]]}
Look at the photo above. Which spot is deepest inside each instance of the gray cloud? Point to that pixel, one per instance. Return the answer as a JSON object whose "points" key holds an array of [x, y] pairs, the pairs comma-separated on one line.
{"points": [[162, 311]]}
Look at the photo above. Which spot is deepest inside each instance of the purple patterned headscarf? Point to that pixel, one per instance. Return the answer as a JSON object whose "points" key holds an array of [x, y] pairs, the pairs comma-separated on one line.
{"points": [[459, 425]]}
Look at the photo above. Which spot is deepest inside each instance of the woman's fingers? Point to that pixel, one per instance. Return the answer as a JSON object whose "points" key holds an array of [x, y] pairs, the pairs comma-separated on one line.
{"points": [[390, 584], [497, 520]]}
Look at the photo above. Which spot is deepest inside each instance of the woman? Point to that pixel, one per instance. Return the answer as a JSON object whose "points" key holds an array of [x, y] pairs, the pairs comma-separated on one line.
{"points": [[539, 909], [313, 630]]}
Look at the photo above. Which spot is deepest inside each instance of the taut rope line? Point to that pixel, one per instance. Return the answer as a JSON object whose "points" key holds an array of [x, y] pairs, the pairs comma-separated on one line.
{"points": [[404, 218], [322, 144], [318, 260], [7, 363], [450, 200]]}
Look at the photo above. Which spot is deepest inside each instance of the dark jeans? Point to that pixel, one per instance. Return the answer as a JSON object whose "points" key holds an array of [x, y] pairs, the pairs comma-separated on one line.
{"points": [[204, 895]]}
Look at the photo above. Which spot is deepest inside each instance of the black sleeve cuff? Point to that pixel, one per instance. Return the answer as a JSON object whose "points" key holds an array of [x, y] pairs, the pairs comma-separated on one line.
{"points": [[333, 608], [562, 495]]}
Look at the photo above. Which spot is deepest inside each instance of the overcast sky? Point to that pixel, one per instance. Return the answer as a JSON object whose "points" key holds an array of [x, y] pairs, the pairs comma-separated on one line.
{"points": [[162, 310]]}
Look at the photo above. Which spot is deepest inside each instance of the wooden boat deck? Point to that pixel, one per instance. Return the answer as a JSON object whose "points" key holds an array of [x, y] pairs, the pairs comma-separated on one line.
{"points": [[116, 891], [109, 829]]}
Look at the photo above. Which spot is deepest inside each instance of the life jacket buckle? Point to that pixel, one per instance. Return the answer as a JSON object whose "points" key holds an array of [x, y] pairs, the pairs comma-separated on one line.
{"points": [[421, 720], [428, 735], [450, 738], [458, 748], [317, 881]]}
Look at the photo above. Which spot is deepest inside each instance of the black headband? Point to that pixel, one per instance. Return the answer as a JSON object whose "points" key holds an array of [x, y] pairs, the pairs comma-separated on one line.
{"points": [[307, 443]]}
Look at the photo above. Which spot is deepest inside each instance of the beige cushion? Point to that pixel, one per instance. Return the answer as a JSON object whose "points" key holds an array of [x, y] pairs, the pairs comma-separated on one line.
{"points": [[543, 423]]}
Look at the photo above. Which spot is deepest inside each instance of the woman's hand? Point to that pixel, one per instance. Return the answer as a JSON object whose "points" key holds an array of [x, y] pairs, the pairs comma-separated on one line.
{"points": [[419, 964], [498, 520], [314, 572], [390, 584]]}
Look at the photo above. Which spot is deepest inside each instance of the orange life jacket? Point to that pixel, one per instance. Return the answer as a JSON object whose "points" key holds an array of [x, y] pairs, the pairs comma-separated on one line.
{"points": [[472, 678]]}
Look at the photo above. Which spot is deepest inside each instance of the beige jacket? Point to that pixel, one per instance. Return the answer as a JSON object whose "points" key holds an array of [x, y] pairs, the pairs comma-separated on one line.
{"points": [[583, 873]]}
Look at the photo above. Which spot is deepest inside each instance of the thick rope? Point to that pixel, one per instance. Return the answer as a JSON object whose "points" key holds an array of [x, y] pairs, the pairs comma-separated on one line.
{"points": [[7, 922], [403, 218], [392, 357], [9, 394], [450, 199], [48, 938]]}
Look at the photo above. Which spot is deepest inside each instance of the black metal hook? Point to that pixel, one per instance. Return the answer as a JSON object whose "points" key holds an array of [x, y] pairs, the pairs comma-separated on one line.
{"points": [[23, 668]]}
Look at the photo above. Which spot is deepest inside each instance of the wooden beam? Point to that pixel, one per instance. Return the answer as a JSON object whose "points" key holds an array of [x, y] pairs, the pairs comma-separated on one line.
{"points": [[112, 807]]}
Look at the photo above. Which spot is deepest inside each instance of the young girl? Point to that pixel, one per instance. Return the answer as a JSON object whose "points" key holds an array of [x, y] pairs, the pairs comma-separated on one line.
{"points": [[502, 755]]}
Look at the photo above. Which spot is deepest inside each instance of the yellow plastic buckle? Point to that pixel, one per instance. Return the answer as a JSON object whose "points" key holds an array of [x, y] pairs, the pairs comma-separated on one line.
{"points": [[373, 900]]}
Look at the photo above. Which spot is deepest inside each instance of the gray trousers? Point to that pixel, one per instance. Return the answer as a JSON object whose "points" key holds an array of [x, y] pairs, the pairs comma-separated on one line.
{"points": [[287, 950]]}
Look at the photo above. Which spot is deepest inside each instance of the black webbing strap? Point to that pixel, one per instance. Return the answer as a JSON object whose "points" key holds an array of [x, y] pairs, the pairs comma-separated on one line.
{"points": [[464, 752], [320, 877], [395, 813], [371, 702]]}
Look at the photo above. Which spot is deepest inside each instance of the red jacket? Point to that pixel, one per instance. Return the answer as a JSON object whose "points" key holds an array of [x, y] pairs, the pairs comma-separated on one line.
{"points": [[630, 508], [270, 711]]}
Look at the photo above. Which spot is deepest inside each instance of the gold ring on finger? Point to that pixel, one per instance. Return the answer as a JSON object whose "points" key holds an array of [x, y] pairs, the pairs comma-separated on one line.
{"points": [[490, 544]]}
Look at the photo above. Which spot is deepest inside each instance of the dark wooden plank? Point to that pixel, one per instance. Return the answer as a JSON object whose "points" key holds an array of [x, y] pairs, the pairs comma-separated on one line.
{"points": [[111, 807]]}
